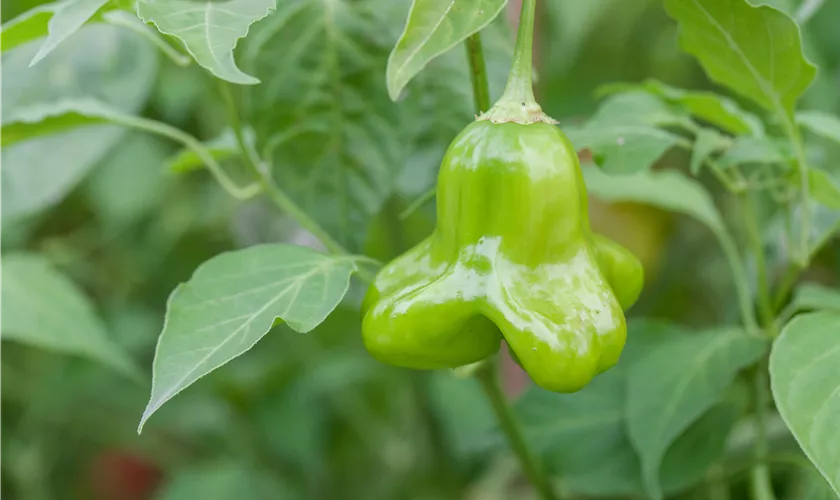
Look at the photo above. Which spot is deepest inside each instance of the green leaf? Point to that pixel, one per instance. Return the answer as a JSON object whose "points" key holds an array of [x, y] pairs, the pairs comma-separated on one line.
{"points": [[209, 30], [707, 142], [806, 387], [224, 481], [57, 21], [28, 26], [673, 385], [667, 189], [754, 50], [68, 17], [623, 135], [46, 119], [822, 123], [232, 301], [44, 309], [759, 150], [825, 188], [582, 437], [813, 296], [710, 107], [38, 173], [432, 28], [335, 140], [129, 21]]}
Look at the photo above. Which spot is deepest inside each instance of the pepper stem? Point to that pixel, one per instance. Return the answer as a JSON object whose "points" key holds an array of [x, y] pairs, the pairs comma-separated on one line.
{"points": [[517, 103]]}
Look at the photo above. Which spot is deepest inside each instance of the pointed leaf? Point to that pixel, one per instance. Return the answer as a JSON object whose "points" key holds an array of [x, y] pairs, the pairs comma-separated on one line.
{"points": [[69, 16], [209, 29], [232, 301], [26, 27], [44, 309], [433, 27], [754, 50], [806, 386], [673, 385]]}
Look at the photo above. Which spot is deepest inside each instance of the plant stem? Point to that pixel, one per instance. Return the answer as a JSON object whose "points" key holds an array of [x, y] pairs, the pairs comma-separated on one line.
{"points": [[478, 73], [518, 104], [795, 139], [488, 375], [277, 195], [765, 306], [760, 483]]}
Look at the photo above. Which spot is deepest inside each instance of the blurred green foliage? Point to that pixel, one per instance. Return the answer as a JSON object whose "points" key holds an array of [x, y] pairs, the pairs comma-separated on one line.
{"points": [[313, 416]]}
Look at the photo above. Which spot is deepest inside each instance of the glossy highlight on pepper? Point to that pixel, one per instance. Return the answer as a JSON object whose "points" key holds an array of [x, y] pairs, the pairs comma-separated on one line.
{"points": [[512, 257]]}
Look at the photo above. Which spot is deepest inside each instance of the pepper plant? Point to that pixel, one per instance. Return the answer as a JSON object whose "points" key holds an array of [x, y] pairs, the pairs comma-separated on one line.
{"points": [[395, 197]]}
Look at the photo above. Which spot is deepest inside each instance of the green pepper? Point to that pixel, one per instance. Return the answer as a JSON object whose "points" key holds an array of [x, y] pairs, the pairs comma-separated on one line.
{"points": [[512, 256]]}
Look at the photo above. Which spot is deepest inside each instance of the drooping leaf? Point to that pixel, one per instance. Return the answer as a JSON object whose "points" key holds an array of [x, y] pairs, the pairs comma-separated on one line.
{"points": [[710, 107], [322, 116], [820, 122], [754, 50], [100, 61], [624, 134], [44, 309], [806, 387], [707, 142], [434, 27], [676, 383], [209, 29], [232, 301], [128, 20]]}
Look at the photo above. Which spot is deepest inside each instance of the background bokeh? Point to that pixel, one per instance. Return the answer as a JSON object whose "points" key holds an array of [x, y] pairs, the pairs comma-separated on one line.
{"points": [[303, 416]]}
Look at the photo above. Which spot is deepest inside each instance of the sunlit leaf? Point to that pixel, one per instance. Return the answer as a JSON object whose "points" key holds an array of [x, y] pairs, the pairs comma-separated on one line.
{"points": [[806, 388], [44, 309], [676, 383], [26, 27], [209, 29], [820, 122], [232, 301], [754, 50], [432, 28]]}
